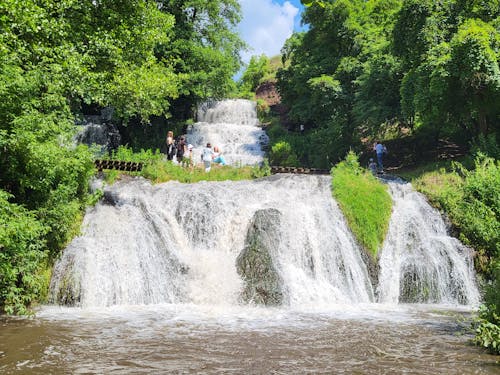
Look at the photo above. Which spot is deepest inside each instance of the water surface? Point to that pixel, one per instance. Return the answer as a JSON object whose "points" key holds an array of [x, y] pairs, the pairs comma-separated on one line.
{"points": [[360, 339]]}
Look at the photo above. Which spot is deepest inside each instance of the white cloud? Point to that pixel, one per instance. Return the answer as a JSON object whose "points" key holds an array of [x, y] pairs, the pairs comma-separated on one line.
{"points": [[265, 26]]}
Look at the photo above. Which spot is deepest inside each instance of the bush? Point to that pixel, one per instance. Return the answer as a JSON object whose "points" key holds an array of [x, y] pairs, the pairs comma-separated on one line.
{"points": [[488, 329], [21, 257], [472, 201], [282, 155], [365, 202]]}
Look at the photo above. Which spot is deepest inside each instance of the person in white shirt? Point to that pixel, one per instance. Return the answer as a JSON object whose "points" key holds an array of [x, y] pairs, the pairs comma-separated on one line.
{"points": [[207, 155]]}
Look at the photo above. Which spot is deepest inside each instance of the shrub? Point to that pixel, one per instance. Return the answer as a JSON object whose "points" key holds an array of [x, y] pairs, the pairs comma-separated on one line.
{"points": [[488, 329], [472, 201], [282, 155], [21, 257]]}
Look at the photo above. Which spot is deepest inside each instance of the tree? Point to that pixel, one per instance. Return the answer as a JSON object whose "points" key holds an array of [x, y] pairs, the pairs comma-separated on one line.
{"points": [[205, 46], [475, 74], [258, 68]]}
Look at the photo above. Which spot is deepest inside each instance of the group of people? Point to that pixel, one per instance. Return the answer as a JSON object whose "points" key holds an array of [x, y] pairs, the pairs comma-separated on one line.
{"points": [[179, 149], [183, 153], [380, 150]]}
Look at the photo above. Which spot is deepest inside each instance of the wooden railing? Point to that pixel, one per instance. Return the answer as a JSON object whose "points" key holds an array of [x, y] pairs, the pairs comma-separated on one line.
{"points": [[120, 165], [130, 166], [298, 170]]}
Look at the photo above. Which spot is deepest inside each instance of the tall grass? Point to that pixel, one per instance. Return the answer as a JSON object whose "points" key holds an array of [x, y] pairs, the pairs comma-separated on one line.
{"points": [[365, 202]]}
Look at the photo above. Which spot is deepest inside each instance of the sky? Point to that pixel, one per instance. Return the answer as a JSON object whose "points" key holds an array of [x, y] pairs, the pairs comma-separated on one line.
{"points": [[266, 24]]}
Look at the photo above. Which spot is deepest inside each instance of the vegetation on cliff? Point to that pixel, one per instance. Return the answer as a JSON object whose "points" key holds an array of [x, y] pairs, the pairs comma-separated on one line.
{"points": [[375, 69], [471, 199], [365, 202]]}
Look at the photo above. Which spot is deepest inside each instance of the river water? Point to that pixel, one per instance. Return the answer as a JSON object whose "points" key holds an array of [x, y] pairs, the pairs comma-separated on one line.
{"points": [[161, 339]]}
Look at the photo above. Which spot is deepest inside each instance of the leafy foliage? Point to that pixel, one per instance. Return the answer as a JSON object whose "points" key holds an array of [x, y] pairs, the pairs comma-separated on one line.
{"points": [[366, 66], [21, 256], [282, 154], [257, 69], [488, 323], [58, 57], [472, 201]]}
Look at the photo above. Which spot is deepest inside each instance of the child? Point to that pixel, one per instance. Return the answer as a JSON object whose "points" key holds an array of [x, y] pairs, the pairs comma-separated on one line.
{"points": [[187, 158]]}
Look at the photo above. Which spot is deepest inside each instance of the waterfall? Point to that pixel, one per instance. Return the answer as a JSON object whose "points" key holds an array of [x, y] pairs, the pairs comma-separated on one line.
{"points": [[179, 243], [232, 125], [196, 243], [280, 240], [98, 131], [419, 261]]}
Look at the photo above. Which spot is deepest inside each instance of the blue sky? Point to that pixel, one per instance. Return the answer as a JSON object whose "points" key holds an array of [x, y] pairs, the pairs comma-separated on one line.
{"points": [[266, 24]]}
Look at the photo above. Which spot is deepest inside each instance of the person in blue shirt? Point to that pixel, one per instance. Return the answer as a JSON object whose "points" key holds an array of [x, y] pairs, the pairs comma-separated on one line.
{"points": [[218, 157], [380, 150]]}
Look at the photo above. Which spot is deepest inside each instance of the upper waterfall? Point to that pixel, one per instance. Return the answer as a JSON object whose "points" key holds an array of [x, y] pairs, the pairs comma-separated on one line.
{"points": [[232, 125]]}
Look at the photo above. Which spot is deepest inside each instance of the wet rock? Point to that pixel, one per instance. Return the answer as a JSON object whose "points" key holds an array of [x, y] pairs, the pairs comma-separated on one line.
{"points": [[263, 284], [372, 266]]}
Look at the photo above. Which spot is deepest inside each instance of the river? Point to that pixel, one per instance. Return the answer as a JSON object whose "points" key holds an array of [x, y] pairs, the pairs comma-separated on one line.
{"points": [[189, 339]]}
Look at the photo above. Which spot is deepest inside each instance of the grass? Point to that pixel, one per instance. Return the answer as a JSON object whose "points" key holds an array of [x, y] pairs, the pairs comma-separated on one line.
{"points": [[158, 170], [365, 202], [163, 171]]}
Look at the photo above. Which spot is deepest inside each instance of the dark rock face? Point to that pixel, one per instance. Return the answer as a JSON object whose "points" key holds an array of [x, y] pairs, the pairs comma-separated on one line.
{"points": [[255, 263], [372, 266]]}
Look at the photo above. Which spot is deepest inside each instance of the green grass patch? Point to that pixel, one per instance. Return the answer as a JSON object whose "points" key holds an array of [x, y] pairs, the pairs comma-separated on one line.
{"points": [[365, 202], [157, 169]]}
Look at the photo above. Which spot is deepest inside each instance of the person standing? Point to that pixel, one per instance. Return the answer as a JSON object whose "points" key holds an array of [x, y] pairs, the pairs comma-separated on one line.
{"points": [[380, 150], [181, 148], [170, 145], [187, 159], [207, 156]]}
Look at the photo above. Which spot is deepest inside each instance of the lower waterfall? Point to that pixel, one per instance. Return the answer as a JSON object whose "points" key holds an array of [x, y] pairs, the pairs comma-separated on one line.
{"points": [[192, 243]]}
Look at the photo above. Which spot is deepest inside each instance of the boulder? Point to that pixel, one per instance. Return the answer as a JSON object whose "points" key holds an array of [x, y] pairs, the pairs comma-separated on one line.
{"points": [[257, 261]]}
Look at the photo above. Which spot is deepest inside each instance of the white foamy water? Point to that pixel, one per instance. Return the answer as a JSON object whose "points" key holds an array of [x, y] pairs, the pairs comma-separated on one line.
{"points": [[419, 261], [175, 242], [232, 125]]}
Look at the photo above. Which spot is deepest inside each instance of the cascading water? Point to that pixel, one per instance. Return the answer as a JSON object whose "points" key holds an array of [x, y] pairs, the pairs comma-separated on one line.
{"points": [[186, 268], [98, 131], [179, 243], [232, 125], [419, 261], [277, 241]]}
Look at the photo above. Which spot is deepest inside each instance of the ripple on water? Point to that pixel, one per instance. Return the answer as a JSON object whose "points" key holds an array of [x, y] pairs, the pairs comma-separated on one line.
{"points": [[365, 339]]}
